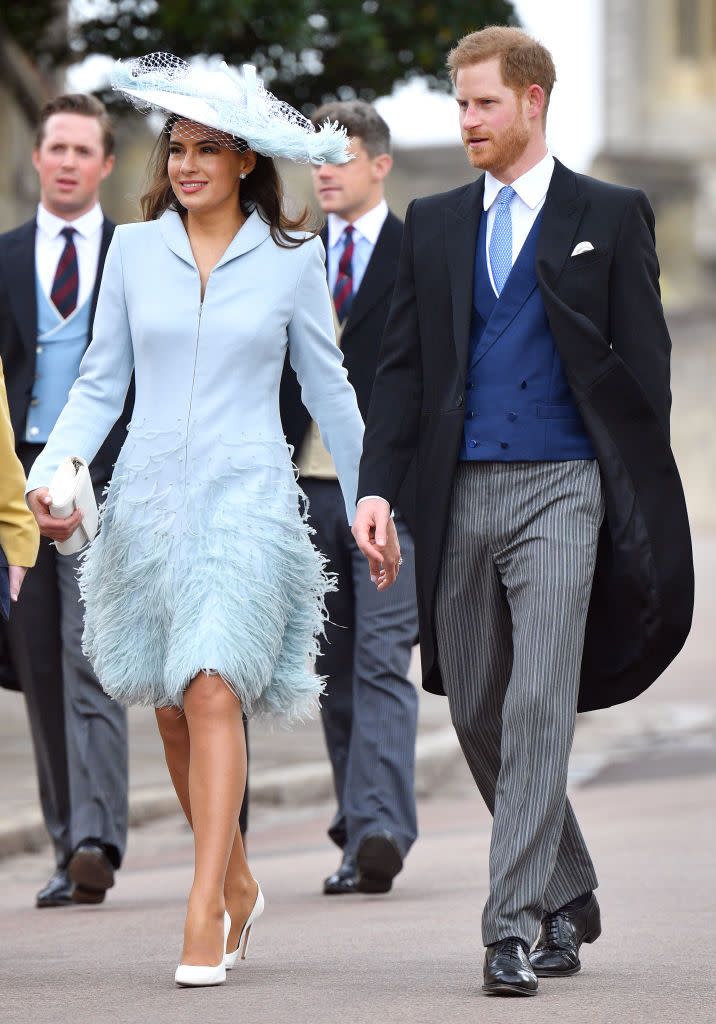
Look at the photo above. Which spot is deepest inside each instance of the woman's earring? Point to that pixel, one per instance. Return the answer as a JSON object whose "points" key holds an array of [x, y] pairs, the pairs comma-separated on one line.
{"points": [[242, 175]]}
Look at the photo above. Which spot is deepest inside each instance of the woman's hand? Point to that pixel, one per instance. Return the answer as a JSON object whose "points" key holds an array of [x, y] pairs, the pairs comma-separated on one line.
{"points": [[39, 501]]}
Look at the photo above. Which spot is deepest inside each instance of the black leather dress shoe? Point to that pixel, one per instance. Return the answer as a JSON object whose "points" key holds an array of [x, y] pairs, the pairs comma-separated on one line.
{"points": [[379, 860], [342, 881], [556, 954], [91, 871], [507, 970], [57, 892]]}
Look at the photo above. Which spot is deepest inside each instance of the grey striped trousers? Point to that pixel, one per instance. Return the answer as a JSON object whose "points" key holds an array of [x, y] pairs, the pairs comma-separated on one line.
{"points": [[511, 608]]}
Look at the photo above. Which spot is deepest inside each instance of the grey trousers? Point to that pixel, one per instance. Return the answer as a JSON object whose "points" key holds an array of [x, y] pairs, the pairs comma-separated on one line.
{"points": [[370, 707], [511, 608], [79, 734]]}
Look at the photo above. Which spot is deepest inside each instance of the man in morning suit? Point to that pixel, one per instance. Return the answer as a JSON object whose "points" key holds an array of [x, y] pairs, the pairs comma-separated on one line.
{"points": [[526, 361], [370, 708], [50, 270]]}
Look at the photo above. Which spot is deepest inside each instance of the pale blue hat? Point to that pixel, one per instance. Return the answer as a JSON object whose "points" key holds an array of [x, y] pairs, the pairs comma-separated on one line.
{"points": [[229, 101]]}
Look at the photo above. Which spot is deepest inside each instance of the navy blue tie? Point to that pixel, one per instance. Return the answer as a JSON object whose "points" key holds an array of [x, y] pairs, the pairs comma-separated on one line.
{"points": [[66, 283]]}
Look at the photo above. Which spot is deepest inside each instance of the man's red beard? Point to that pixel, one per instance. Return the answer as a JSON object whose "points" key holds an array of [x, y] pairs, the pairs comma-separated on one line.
{"points": [[500, 151]]}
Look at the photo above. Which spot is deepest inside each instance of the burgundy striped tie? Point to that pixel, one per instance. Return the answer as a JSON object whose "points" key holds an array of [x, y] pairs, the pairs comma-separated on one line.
{"points": [[343, 289], [67, 278]]}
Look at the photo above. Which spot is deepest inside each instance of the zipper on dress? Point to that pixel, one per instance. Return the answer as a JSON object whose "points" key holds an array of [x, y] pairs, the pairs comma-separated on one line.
{"points": [[191, 394]]}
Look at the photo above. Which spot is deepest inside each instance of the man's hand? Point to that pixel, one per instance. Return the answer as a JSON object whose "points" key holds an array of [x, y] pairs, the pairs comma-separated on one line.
{"points": [[16, 574], [376, 536], [39, 501]]}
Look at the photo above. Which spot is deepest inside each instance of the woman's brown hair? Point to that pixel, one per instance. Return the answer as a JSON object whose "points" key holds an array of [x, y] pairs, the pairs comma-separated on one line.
{"points": [[262, 189]]}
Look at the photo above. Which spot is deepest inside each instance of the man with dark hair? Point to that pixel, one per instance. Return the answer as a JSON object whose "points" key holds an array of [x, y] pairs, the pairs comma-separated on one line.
{"points": [[526, 365], [50, 270], [369, 709]]}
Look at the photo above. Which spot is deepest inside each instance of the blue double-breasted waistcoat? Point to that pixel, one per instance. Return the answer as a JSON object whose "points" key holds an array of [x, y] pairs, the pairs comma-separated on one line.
{"points": [[518, 404]]}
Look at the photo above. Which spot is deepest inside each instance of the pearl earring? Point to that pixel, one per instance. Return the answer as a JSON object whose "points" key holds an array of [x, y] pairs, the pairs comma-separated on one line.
{"points": [[242, 175]]}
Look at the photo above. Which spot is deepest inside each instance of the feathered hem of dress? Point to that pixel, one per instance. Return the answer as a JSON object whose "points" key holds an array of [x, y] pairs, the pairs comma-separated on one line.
{"points": [[244, 598]]}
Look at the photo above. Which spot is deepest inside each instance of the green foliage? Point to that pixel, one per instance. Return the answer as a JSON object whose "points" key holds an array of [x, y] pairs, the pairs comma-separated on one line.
{"points": [[307, 51]]}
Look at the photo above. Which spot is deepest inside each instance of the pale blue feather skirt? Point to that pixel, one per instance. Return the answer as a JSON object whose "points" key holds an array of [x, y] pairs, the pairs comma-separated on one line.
{"points": [[218, 575]]}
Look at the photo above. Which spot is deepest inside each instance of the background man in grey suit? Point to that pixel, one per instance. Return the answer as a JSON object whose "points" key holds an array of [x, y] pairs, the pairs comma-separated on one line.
{"points": [[50, 269], [526, 362], [370, 709]]}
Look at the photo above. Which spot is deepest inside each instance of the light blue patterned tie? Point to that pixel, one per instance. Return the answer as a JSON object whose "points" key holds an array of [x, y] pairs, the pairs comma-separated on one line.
{"points": [[501, 239]]}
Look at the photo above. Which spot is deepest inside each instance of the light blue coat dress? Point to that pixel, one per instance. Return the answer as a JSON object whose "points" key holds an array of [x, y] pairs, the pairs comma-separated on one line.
{"points": [[203, 560]]}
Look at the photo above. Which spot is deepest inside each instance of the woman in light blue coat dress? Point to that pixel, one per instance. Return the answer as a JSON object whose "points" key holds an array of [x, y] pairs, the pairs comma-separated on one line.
{"points": [[204, 595]]}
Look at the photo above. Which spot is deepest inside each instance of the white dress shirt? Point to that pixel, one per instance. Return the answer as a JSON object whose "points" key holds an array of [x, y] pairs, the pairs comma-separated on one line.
{"points": [[49, 245], [531, 189], [365, 234]]}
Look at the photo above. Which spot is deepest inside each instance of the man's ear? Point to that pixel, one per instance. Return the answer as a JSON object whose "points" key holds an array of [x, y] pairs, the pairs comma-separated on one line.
{"points": [[107, 167], [535, 101], [382, 165]]}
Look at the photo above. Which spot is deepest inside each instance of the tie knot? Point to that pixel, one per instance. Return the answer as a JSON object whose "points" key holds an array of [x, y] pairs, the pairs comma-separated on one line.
{"points": [[348, 232], [504, 196], [67, 233]]}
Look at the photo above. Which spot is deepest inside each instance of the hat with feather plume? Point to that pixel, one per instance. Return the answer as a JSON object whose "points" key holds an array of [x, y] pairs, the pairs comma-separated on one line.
{"points": [[235, 103]]}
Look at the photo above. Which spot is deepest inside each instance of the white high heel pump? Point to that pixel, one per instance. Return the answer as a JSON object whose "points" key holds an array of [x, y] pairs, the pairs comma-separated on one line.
{"points": [[230, 959], [188, 975]]}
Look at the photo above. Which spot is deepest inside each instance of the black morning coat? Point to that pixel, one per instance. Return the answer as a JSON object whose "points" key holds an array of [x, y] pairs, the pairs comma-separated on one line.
{"points": [[18, 344], [606, 317], [360, 342]]}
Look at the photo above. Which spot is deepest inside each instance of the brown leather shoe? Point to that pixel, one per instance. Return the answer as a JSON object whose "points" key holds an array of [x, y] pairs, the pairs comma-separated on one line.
{"points": [[379, 860], [91, 871]]}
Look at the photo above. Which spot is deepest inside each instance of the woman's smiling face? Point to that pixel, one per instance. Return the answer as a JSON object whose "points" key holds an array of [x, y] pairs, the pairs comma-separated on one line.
{"points": [[204, 166]]}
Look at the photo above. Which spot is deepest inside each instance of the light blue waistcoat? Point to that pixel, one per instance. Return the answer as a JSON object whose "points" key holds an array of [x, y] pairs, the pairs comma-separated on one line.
{"points": [[60, 347]]}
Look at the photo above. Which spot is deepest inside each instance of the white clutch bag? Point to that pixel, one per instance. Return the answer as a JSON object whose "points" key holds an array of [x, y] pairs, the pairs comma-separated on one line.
{"points": [[71, 488]]}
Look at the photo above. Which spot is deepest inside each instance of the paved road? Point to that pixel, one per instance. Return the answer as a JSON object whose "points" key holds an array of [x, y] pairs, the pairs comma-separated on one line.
{"points": [[411, 957], [646, 803]]}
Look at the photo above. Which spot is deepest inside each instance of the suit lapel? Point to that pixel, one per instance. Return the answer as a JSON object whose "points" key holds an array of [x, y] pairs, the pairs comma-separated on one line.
{"points": [[461, 227], [563, 210], [379, 275], [21, 278], [107, 232]]}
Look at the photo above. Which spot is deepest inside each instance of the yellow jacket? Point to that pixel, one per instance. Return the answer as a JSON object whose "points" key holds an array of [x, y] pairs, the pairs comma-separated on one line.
{"points": [[19, 536]]}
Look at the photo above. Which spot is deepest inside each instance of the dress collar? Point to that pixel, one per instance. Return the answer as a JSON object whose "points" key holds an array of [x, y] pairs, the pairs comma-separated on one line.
{"points": [[251, 234]]}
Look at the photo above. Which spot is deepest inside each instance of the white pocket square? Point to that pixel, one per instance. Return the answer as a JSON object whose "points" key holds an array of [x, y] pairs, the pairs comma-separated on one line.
{"points": [[582, 247]]}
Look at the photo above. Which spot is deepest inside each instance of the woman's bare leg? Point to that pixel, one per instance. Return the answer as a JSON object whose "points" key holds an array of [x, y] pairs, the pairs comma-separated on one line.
{"points": [[217, 777], [239, 887], [175, 736]]}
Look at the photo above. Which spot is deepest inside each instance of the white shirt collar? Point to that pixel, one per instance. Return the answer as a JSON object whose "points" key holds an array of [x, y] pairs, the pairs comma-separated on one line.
{"points": [[369, 225], [85, 225], [531, 186]]}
